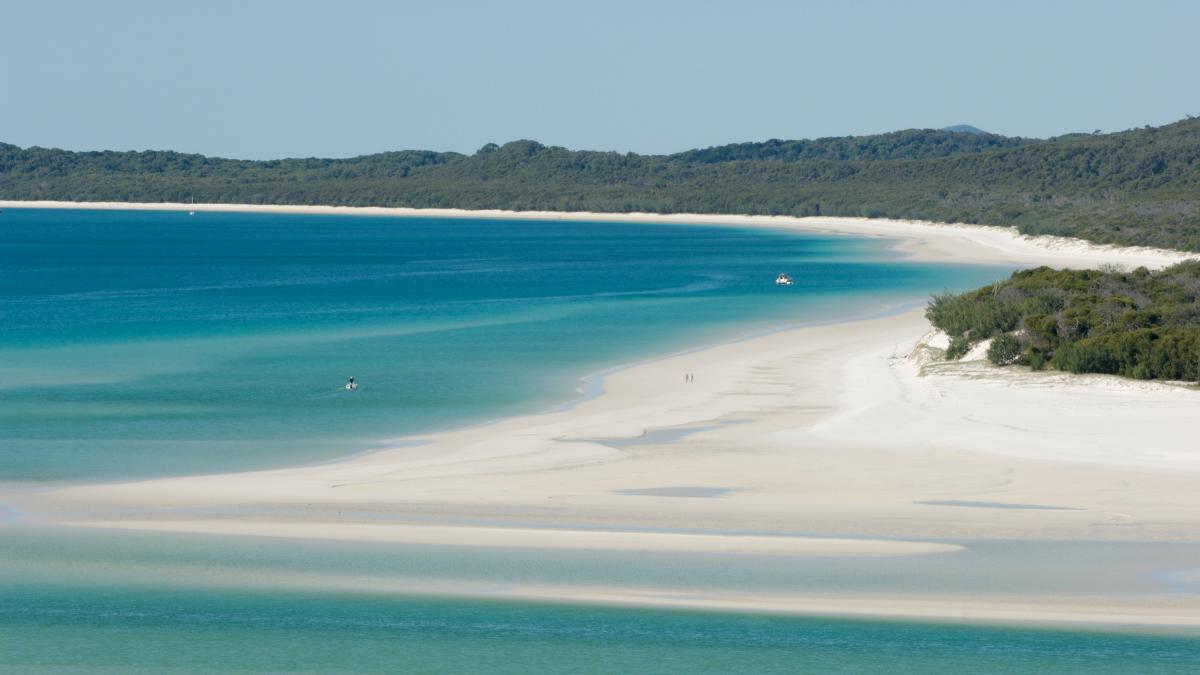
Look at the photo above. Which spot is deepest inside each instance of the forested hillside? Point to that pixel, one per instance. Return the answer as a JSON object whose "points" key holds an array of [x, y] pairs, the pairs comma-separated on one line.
{"points": [[1134, 187]]}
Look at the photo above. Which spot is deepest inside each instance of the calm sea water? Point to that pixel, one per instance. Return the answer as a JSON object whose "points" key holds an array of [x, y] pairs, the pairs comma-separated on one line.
{"points": [[73, 630], [153, 343], [146, 343], [132, 602]]}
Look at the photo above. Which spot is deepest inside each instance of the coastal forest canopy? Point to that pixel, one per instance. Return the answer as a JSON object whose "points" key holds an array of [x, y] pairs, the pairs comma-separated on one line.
{"points": [[1138, 323], [1140, 186]]}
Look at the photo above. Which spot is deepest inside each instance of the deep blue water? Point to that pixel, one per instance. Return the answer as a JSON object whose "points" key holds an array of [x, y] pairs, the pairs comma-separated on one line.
{"points": [[153, 343]]}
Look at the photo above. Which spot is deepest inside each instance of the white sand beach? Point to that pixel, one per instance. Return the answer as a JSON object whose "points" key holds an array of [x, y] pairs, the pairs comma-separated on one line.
{"points": [[836, 440], [935, 242], [827, 429]]}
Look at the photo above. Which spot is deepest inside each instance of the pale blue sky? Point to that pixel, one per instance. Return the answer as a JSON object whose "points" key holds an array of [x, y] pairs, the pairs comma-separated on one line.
{"points": [[262, 79]]}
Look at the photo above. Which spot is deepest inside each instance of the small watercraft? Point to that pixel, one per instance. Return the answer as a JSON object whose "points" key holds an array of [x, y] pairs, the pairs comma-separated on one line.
{"points": [[192, 212], [783, 280], [351, 385]]}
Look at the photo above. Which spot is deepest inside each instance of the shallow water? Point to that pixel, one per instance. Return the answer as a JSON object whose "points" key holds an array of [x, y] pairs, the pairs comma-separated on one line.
{"points": [[73, 600], [70, 631], [154, 343]]}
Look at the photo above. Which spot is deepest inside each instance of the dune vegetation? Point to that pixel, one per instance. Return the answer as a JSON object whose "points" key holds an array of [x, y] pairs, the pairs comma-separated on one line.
{"points": [[1138, 323]]}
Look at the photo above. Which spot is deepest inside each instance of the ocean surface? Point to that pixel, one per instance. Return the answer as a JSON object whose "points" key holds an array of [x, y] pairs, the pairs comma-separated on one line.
{"points": [[85, 600], [137, 344], [153, 343], [115, 631]]}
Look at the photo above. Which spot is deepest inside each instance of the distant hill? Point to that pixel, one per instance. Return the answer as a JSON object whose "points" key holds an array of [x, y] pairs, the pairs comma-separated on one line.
{"points": [[907, 144], [1140, 186], [964, 129]]}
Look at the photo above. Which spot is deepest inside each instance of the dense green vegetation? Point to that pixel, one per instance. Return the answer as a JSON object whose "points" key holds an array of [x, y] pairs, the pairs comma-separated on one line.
{"points": [[1134, 187], [1138, 324], [910, 144]]}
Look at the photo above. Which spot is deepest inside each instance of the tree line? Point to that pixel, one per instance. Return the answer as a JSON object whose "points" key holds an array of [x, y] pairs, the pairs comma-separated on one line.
{"points": [[1140, 186], [1138, 323]]}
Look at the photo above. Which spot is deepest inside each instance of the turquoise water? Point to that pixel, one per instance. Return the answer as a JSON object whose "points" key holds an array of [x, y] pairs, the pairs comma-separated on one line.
{"points": [[82, 600], [70, 630], [154, 343]]}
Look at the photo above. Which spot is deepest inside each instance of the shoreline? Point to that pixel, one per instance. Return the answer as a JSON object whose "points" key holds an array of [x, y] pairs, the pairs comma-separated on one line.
{"points": [[800, 486], [643, 397], [827, 432], [918, 240]]}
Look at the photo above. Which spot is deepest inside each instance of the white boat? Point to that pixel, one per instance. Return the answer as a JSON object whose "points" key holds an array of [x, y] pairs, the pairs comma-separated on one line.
{"points": [[783, 280], [192, 207]]}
